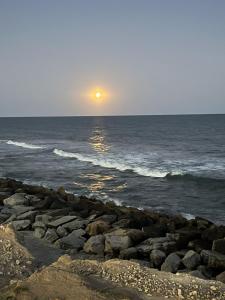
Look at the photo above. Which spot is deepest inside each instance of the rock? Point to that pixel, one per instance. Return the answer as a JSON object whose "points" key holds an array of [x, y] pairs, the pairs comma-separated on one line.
{"points": [[76, 224], [164, 244], [17, 199], [73, 240], [21, 225], [4, 195], [61, 221], [97, 227], [206, 271], [221, 277], [117, 240], [3, 217], [213, 259], [130, 253], [29, 215], [191, 259], [199, 245], [184, 235], [157, 257], [39, 232], [20, 209], [198, 274], [107, 218], [171, 263], [61, 231], [51, 235], [43, 218], [41, 203], [122, 223], [144, 250], [219, 246], [214, 233], [95, 244], [155, 230], [39, 224]]}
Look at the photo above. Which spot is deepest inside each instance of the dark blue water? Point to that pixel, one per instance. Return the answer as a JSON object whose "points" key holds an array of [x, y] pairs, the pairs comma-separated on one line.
{"points": [[169, 163]]}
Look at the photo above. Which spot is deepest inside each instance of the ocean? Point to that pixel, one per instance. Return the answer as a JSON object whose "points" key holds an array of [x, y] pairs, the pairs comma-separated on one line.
{"points": [[172, 164]]}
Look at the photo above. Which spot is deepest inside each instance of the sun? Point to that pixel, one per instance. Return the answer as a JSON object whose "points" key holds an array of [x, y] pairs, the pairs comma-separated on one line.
{"points": [[98, 95]]}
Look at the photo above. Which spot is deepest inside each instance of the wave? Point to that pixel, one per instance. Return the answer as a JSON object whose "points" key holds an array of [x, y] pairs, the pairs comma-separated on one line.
{"points": [[196, 178], [24, 145], [111, 164]]}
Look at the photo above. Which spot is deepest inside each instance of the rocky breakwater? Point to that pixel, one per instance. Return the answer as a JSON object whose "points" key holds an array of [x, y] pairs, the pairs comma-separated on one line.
{"points": [[88, 226]]}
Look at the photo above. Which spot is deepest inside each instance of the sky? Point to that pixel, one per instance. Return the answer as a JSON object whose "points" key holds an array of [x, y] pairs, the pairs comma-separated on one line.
{"points": [[148, 56]]}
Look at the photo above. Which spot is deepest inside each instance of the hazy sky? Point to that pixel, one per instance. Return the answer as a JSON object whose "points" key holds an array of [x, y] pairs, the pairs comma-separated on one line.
{"points": [[151, 56]]}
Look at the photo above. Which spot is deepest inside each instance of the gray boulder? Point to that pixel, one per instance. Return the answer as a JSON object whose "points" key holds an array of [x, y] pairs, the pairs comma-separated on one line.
{"points": [[157, 257], [172, 263], [17, 199], [51, 235], [97, 227], [21, 225], [198, 274], [219, 246], [191, 260], [130, 253], [221, 277], [95, 244], [43, 218], [118, 240], [213, 259], [29, 215], [39, 232], [74, 240], [76, 224], [61, 231], [61, 221]]}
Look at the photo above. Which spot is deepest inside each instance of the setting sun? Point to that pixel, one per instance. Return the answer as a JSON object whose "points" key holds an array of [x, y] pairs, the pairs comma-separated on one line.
{"points": [[98, 95]]}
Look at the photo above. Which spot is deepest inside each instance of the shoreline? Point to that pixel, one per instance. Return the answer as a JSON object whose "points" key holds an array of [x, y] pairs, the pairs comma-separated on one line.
{"points": [[81, 225]]}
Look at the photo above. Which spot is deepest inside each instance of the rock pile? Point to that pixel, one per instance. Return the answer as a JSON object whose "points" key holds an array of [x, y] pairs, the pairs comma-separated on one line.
{"points": [[80, 224]]}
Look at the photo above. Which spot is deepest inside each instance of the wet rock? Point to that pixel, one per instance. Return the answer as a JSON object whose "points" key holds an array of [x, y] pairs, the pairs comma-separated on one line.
{"points": [[97, 227], [191, 260], [21, 225], [51, 235], [130, 253], [219, 246], [17, 199], [221, 277], [95, 244], [157, 257], [171, 263], [61, 221]]}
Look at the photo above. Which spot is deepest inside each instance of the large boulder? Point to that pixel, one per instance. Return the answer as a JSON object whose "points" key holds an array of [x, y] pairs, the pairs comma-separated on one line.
{"points": [[221, 277], [171, 263], [51, 235], [129, 253], [61, 221], [41, 203], [157, 257], [74, 240], [214, 233], [29, 215], [164, 244], [219, 246], [39, 232], [17, 199], [213, 259], [107, 218], [155, 230], [75, 224], [191, 260], [97, 227], [21, 224], [95, 244]]}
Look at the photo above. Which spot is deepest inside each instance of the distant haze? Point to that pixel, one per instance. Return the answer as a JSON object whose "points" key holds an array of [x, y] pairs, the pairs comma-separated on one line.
{"points": [[151, 57]]}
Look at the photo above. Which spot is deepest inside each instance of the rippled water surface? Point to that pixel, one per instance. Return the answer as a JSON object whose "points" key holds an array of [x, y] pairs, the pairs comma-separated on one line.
{"points": [[169, 163]]}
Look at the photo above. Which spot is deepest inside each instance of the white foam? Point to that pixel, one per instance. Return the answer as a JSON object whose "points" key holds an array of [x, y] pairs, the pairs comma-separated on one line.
{"points": [[188, 216], [109, 163], [24, 145]]}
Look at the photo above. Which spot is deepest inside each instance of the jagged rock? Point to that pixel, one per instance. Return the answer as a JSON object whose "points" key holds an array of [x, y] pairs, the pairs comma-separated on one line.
{"points": [[117, 240], [198, 274], [51, 235], [3, 217], [157, 257], [199, 245], [95, 244], [155, 230], [184, 235], [21, 225], [4, 195], [39, 224], [39, 232], [122, 223], [130, 253], [17, 199], [29, 215], [144, 250], [73, 240], [213, 259], [171, 263], [214, 233], [191, 260], [20, 209], [43, 218], [41, 203], [76, 224], [164, 244], [221, 277], [61, 221], [219, 246], [97, 227], [61, 231]]}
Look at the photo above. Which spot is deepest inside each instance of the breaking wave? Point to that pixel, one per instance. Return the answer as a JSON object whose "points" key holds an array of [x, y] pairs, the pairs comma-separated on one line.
{"points": [[24, 145]]}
